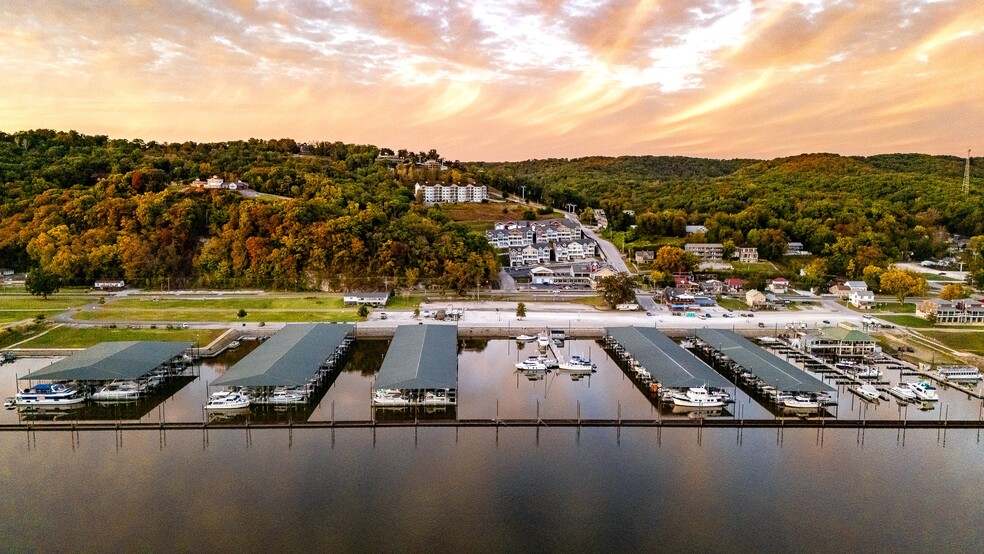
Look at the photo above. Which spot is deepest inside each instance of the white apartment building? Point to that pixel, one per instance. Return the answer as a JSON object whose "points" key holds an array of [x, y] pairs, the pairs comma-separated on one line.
{"points": [[441, 193]]}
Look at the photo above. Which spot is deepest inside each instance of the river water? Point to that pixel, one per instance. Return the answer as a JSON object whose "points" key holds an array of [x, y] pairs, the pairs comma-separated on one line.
{"points": [[489, 489]]}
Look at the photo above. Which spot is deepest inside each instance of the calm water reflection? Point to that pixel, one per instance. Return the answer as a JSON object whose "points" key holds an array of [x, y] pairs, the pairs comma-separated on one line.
{"points": [[493, 490]]}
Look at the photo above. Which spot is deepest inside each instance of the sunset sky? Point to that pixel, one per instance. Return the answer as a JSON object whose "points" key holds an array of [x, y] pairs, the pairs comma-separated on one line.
{"points": [[506, 79]]}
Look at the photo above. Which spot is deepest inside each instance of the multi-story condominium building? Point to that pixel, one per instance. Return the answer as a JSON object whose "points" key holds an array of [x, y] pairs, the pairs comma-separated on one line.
{"points": [[556, 230], [435, 193], [706, 251], [508, 238], [946, 311], [537, 253], [565, 251]]}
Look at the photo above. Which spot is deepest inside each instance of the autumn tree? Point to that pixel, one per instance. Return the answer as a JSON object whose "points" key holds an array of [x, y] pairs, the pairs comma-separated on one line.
{"points": [[903, 283], [617, 289], [954, 291], [672, 259], [872, 276], [587, 216]]}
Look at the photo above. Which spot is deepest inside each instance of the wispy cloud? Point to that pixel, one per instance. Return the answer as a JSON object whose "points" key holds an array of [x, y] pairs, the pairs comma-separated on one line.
{"points": [[506, 79]]}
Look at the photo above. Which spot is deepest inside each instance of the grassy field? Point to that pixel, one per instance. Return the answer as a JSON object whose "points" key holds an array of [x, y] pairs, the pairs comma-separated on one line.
{"points": [[179, 315], [69, 337], [58, 302], [594, 301], [966, 341], [234, 304], [732, 304], [481, 216], [908, 321]]}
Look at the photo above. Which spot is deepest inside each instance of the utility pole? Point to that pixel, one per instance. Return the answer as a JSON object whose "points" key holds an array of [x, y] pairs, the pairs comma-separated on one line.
{"points": [[524, 192]]}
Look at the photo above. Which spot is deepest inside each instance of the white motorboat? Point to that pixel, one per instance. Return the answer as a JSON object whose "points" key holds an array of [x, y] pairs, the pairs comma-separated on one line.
{"points": [[543, 340], [283, 397], [903, 392], [526, 338], [10, 403], [532, 363], [800, 402], [867, 392], [226, 400], [868, 372], [924, 391], [118, 391], [389, 397], [578, 364], [49, 395], [437, 397], [697, 397]]}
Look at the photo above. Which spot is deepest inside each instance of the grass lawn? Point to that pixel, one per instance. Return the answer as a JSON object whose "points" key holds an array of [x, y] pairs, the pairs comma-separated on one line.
{"points": [[732, 304], [596, 301], [69, 337], [908, 321], [966, 341], [9, 317], [400, 303], [234, 304], [57, 302], [226, 315], [481, 217], [758, 267], [932, 277]]}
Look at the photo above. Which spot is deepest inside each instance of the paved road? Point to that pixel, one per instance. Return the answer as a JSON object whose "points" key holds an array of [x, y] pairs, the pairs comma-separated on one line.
{"points": [[608, 250]]}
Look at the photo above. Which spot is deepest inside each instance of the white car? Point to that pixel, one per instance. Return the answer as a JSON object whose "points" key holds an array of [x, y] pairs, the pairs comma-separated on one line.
{"points": [[427, 313]]}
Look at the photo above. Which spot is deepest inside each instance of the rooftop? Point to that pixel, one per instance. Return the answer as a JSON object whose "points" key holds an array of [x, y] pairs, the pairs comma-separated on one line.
{"points": [[289, 358], [108, 361], [766, 366], [421, 357], [669, 363]]}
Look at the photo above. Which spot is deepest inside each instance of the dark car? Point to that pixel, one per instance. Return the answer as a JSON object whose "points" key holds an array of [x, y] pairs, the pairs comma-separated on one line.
{"points": [[826, 322]]}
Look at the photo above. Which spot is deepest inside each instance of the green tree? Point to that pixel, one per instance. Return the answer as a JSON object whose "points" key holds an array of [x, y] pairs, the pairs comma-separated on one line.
{"points": [[587, 216], [363, 310], [520, 310], [241, 313], [529, 215], [617, 289], [40, 282], [673, 259], [903, 283]]}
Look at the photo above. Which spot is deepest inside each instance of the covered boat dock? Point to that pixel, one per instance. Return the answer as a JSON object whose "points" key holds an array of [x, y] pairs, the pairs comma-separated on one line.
{"points": [[298, 357], [658, 359], [115, 361], [755, 365], [420, 367]]}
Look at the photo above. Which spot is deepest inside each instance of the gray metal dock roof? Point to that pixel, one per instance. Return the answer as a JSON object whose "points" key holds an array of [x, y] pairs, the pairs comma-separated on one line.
{"points": [[107, 361], [669, 363], [289, 358], [766, 366], [421, 357]]}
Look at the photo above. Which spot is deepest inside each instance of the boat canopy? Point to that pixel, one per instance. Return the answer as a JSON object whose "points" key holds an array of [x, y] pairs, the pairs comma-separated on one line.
{"points": [[108, 361], [768, 367], [669, 363], [421, 357], [289, 358]]}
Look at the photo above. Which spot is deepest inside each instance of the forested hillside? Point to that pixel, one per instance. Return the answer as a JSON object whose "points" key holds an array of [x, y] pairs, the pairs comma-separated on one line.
{"points": [[87, 207], [852, 211]]}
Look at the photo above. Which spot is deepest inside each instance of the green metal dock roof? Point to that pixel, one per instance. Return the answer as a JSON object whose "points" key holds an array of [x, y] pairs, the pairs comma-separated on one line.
{"points": [[107, 361], [421, 357], [288, 358], [669, 363], [768, 367]]}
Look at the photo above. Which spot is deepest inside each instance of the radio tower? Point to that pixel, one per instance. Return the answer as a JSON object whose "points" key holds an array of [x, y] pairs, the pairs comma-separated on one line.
{"points": [[966, 184]]}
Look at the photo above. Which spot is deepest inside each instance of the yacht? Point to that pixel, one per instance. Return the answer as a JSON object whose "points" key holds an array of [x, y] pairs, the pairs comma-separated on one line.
{"points": [[543, 340], [532, 363], [801, 402], [959, 373], [226, 400], [389, 397], [526, 338], [579, 364], [125, 390], [282, 397], [924, 391], [867, 392], [697, 397], [49, 395], [868, 372], [903, 391]]}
